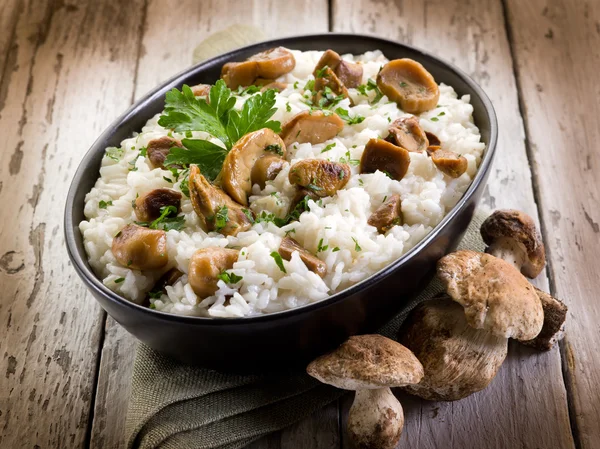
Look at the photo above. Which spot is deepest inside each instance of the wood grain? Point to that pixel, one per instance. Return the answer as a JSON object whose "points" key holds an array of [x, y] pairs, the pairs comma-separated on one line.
{"points": [[526, 404], [556, 51], [193, 22], [66, 57]]}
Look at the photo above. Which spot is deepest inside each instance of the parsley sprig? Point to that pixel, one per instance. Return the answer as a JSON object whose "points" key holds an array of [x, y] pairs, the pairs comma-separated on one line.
{"points": [[167, 220], [343, 113]]}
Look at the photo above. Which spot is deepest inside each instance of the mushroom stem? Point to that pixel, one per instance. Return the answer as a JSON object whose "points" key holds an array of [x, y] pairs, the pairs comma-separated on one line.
{"points": [[376, 419], [508, 250]]}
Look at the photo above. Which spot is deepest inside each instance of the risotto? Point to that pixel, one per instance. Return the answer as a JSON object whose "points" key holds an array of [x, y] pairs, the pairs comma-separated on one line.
{"points": [[287, 214]]}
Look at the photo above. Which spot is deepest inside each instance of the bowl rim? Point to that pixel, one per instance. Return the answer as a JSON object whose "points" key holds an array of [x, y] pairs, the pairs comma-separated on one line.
{"points": [[93, 283]]}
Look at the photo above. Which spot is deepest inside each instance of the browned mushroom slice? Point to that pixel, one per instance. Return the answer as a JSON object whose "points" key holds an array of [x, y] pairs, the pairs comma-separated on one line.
{"points": [[140, 248], [408, 134], [327, 87], [206, 265], [350, 74], [312, 262], [388, 215], [201, 90], [432, 139], [236, 74], [235, 176], [215, 209], [169, 278], [148, 206], [266, 168], [274, 62], [409, 84], [386, 157], [158, 150], [322, 177], [311, 127], [449, 162], [275, 85]]}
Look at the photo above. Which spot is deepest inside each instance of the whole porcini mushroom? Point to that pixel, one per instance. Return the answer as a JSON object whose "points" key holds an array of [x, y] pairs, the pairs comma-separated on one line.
{"points": [[370, 365], [458, 360], [512, 236]]}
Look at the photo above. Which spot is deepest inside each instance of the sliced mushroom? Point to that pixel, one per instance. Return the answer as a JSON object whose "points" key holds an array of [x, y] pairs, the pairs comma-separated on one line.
{"points": [[370, 365], [409, 84], [235, 176], [311, 127], [140, 248], [270, 84], [312, 262], [457, 359], [266, 168], [350, 74], [432, 139], [386, 157], [274, 62], [388, 215], [408, 134], [215, 209], [206, 265], [148, 207], [328, 87], [449, 162], [322, 177], [236, 74], [158, 150], [201, 90]]}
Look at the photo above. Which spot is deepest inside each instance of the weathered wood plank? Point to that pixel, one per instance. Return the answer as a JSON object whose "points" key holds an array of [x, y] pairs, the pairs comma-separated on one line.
{"points": [[66, 57], [526, 404], [9, 13], [555, 44], [193, 22]]}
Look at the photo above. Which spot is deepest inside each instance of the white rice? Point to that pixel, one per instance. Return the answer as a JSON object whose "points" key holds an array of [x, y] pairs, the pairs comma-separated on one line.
{"points": [[340, 221]]}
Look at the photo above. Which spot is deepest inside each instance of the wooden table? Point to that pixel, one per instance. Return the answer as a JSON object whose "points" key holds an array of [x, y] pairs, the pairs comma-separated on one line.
{"points": [[68, 68]]}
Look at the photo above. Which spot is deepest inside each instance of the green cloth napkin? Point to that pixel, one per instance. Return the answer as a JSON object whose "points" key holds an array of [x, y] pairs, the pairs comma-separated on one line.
{"points": [[175, 406]]}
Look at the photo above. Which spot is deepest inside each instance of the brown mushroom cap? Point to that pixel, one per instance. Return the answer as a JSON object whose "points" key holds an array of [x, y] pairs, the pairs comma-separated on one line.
{"points": [[140, 248], [386, 157], [458, 360], [274, 62], [266, 168], [158, 150], [313, 263], [432, 139], [367, 362], [495, 296], [312, 127], [350, 74], [407, 133], [205, 266], [322, 177], [148, 206], [328, 79], [508, 227], [388, 215], [555, 317], [236, 74], [235, 176], [409, 84], [449, 162]]}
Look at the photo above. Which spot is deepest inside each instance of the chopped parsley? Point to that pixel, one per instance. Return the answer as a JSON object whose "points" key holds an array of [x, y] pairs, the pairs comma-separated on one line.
{"points": [[320, 247], [155, 294], [403, 84], [168, 179], [274, 148], [434, 119], [221, 217], [346, 117], [184, 185], [278, 260], [290, 231], [247, 90], [328, 147], [347, 159], [114, 153], [357, 247], [119, 280], [341, 174], [296, 85], [248, 214], [320, 73], [104, 204], [167, 220], [229, 278], [441, 113], [335, 250], [288, 107], [310, 85], [361, 182], [371, 85], [141, 153]]}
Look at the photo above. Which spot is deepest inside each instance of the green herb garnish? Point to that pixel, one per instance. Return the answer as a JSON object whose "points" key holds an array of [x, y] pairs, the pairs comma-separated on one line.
{"points": [[221, 217], [346, 117], [328, 147], [167, 220], [348, 159], [274, 148], [356, 245], [119, 280], [104, 204], [278, 260], [335, 250], [114, 153], [229, 278], [320, 246]]}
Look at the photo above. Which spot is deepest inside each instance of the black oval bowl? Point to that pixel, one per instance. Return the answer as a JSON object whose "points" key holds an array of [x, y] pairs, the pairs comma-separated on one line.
{"points": [[295, 336]]}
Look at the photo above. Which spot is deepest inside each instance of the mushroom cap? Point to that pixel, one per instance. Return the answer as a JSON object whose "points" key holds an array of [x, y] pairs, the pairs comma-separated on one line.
{"points": [[519, 227], [458, 360], [367, 362], [495, 296]]}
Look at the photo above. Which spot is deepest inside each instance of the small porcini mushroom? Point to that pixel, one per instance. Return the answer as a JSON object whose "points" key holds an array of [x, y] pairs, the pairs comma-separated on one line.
{"points": [[215, 209], [495, 296], [313, 263], [206, 265], [274, 62], [555, 316], [323, 178], [432, 139], [350, 74], [158, 150], [370, 365], [235, 176], [328, 87], [311, 127], [388, 215], [408, 134], [513, 236], [448, 162], [386, 157], [266, 168], [409, 84], [140, 248], [236, 74], [148, 207], [458, 360]]}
